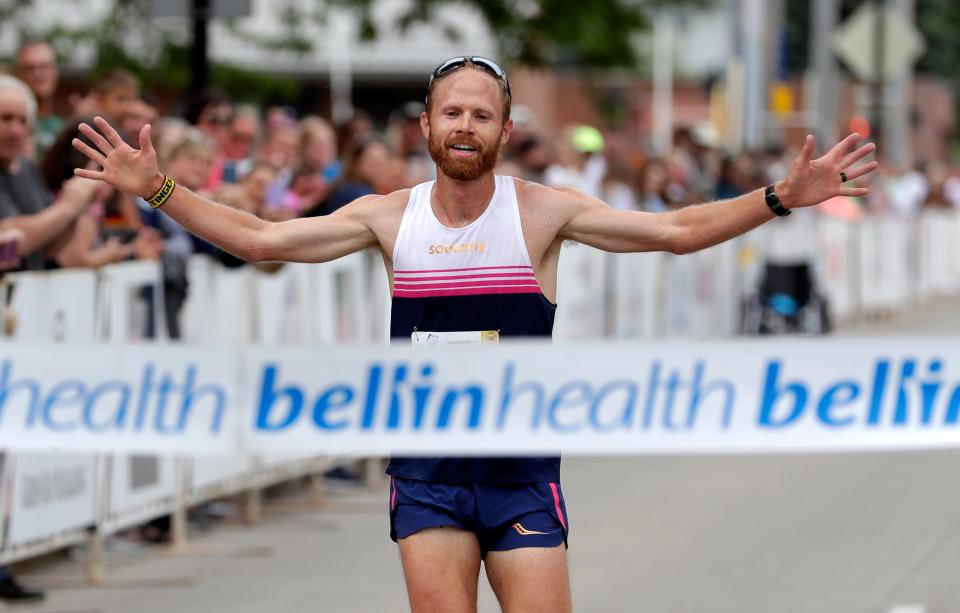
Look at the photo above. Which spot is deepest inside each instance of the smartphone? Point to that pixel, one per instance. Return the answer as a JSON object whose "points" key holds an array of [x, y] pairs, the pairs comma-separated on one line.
{"points": [[9, 253]]}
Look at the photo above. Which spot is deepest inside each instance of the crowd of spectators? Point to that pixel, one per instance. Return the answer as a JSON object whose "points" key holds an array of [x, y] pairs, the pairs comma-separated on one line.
{"points": [[277, 165]]}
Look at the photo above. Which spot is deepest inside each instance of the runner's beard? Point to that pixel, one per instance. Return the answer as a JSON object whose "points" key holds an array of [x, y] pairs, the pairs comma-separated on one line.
{"points": [[458, 168]]}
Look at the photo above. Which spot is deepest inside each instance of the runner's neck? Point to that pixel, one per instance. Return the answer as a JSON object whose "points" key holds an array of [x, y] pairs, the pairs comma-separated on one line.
{"points": [[459, 203]]}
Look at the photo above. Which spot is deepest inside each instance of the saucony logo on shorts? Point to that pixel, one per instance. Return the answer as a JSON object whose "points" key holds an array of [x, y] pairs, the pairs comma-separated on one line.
{"points": [[523, 531]]}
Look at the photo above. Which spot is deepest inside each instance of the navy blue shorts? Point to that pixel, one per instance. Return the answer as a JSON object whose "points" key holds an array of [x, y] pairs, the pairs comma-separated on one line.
{"points": [[505, 516]]}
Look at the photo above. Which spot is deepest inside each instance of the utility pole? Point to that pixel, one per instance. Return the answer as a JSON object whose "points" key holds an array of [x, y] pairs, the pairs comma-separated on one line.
{"points": [[824, 67], [879, 61], [663, 36], [199, 62], [897, 130], [755, 19]]}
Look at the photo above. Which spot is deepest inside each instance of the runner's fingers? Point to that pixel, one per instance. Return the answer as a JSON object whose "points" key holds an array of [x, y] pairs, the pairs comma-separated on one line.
{"points": [[808, 145], [108, 131], [145, 144], [857, 155], [853, 192], [844, 147], [97, 138], [89, 174], [859, 171], [89, 151]]}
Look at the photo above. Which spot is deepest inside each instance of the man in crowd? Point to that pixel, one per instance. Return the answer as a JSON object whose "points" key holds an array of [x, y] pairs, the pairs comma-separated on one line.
{"points": [[36, 65], [25, 203], [141, 111]]}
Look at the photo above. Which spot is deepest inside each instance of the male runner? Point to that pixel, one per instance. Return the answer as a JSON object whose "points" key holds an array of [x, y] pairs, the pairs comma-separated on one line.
{"points": [[476, 253]]}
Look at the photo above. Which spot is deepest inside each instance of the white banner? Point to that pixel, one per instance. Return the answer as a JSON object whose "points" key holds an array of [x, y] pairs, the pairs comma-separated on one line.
{"points": [[775, 395], [136, 399]]}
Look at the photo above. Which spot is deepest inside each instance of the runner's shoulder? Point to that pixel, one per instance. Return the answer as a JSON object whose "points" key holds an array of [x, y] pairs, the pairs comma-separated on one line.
{"points": [[377, 205], [543, 198]]}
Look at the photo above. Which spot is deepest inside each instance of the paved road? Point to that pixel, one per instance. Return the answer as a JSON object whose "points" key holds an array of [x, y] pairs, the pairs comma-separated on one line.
{"points": [[782, 534]]}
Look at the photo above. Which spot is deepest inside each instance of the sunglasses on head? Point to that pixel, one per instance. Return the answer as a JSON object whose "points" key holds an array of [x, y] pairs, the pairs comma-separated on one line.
{"points": [[455, 63]]}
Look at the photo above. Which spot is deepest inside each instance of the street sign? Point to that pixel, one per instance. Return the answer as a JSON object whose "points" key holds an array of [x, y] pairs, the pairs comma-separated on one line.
{"points": [[854, 43], [225, 9]]}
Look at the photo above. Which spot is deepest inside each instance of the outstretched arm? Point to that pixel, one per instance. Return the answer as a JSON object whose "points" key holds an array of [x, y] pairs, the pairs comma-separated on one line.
{"points": [[809, 182], [41, 229], [316, 239]]}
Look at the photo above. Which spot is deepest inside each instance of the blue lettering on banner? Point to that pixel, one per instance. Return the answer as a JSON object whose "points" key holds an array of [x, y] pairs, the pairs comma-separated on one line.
{"points": [[773, 394], [915, 400], [176, 404], [406, 397], [623, 414], [118, 410], [409, 396], [412, 401], [269, 396], [573, 395], [334, 398]]}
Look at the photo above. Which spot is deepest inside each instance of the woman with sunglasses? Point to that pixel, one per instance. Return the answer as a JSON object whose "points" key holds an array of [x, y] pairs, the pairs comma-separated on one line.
{"points": [[476, 255]]}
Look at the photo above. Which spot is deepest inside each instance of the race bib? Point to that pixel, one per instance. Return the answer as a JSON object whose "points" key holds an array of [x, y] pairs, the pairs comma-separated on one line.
{"points": [[483, 337]]}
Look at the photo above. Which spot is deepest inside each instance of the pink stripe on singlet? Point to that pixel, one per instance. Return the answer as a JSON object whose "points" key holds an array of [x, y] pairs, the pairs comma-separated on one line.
{"points": [[414, 272], [409, 278], [462, 284], [393, 493], [467, 291], [556, 501]]}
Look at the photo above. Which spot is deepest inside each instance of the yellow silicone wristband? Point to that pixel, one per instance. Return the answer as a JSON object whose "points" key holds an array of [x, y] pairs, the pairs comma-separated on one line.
{"points": [[157, 200]]}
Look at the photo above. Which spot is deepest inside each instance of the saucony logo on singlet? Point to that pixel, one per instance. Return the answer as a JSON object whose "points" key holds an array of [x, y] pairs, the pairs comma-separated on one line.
{"points": [[523, 531], [462, 248]]}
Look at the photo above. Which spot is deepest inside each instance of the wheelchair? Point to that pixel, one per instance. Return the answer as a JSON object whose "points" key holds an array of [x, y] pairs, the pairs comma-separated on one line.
{"points": [[786, 302]]}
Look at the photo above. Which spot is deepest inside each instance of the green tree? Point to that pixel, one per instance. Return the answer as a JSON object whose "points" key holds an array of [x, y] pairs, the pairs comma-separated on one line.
{"points": [[593, 34], [590, 34], [937, 20]]}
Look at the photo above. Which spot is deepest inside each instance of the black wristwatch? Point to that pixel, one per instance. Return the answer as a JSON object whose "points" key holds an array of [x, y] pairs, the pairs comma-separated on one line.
{"points": [[773, 202]]}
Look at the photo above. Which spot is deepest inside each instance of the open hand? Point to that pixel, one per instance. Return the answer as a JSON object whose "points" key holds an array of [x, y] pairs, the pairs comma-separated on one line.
{"points": [[80, 192], [130, 170], [810, 181]]}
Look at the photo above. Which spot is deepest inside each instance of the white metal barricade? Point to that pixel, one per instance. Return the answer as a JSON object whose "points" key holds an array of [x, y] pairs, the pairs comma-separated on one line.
{"points": [[379, 296], [342, 303], [639, 286], [138, 488], [220, 305], [836, 265], [56, 305], [870, 259], [713, 306], [581, 292], [133, 488], [51, 502], [52, 498], [284, 306], [895, 288], [121, 310], [939, 253]]}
